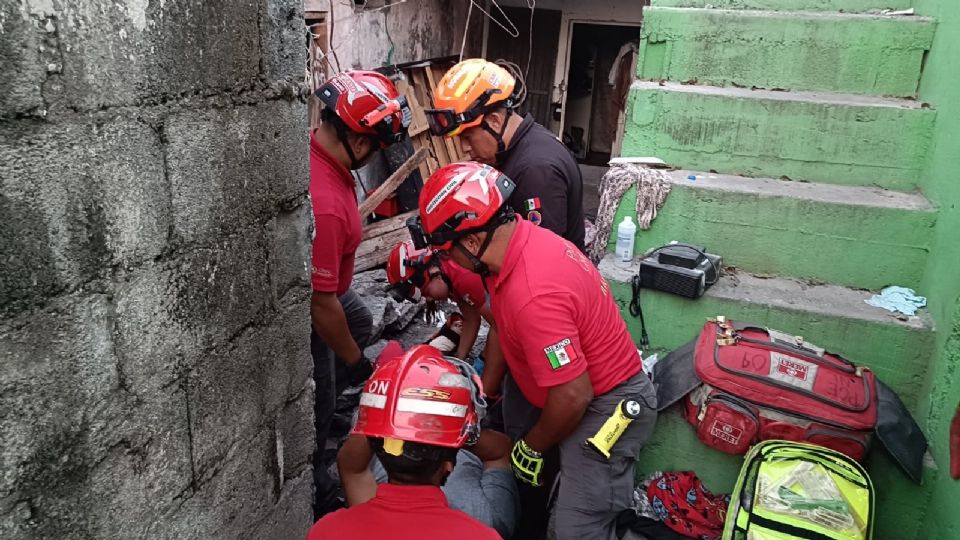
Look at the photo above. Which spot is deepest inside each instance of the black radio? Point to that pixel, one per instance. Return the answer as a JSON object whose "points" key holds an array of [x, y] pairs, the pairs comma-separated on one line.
{"points": [[681, 269]]}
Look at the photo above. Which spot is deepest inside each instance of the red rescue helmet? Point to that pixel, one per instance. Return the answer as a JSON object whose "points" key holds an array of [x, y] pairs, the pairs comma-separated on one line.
{"points": [[459, 199], [368, 104], [422, 397], [408, 270]]}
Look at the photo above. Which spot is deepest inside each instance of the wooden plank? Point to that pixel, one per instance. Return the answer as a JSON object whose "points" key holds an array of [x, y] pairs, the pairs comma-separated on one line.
{"points": [[425, 164], [418, 123], [385, 226], [379, 238], [419, 76], [391, 184], [432, 78]]}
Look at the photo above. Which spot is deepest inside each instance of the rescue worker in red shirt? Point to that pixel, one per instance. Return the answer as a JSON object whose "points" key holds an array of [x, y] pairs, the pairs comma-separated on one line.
{"points": [[565, 343], [414, 273], [475, 100], [416, 412], [362, 112]]}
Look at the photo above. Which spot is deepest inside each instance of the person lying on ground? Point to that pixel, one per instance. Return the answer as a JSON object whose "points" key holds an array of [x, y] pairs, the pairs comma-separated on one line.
{"points": [[416, 412]]}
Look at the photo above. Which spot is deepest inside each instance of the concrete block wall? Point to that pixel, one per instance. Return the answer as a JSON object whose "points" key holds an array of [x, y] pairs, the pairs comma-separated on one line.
{"points": [[154, 237]]}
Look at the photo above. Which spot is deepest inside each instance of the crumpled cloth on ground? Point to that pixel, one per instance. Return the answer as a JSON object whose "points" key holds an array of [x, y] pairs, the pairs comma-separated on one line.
{"points": [[683, 504], [653, 186], [898, 299]]}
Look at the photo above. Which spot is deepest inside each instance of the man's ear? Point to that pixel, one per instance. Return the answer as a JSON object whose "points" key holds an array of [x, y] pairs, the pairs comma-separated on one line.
{"points": [[495, 120], [472, 242], [363, 147]]}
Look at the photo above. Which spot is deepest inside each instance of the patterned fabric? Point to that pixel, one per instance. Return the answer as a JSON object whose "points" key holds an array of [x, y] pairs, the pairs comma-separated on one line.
{"points": [[684, 505], [652, 190]]}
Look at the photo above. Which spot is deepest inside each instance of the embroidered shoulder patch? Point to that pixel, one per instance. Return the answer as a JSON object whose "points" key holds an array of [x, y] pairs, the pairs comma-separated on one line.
{"points": [[534, 217], [560, 354]]}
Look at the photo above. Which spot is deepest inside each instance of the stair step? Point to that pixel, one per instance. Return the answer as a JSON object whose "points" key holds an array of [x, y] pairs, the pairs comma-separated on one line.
{"points": [[831, 316], [846, 235], [834, 52], [812, 136], [846, 6]]}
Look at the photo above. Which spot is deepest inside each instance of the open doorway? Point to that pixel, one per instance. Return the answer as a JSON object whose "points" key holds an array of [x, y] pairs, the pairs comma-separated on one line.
{"points": [[602, 61]]}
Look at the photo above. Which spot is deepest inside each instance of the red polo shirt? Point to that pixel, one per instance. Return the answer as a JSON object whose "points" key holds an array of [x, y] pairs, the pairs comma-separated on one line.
{"points": [[401, 513], [466, 286], [337, 232], [557, 318]]}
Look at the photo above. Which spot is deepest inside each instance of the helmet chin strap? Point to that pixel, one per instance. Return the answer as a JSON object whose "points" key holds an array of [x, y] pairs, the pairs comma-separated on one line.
{"points": [[344, 140], [479, 266], [501, 146]]}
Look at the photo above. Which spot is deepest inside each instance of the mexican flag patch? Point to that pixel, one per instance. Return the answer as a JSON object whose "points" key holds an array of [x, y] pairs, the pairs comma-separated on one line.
{"points": [[560, 354], [531, 204]]}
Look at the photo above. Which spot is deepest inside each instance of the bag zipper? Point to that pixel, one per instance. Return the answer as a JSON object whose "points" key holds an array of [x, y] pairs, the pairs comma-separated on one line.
{"points": [[866, 387]]}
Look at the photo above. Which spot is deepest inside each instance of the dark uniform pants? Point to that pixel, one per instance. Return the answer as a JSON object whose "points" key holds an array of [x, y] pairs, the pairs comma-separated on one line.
{"points": [[360, 323], [593, 490]]}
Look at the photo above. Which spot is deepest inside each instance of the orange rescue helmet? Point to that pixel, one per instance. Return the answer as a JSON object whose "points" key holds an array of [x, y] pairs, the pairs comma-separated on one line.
{"points": [[466, 93]]}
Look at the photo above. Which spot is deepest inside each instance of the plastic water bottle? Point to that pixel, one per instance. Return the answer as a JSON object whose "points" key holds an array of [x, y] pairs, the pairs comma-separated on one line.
{"points": [[626, 233]]}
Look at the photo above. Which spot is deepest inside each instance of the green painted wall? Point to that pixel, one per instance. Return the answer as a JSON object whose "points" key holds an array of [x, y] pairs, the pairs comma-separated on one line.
{"points": [[768, 134], [867, 55], [848, 6], [941, 87]]}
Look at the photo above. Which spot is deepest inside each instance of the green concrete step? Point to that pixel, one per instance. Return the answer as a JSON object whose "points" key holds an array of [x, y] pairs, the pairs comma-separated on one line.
{"points": [[808, 136], [846, 6], [819, 51], [831, 316], [846, 235]]}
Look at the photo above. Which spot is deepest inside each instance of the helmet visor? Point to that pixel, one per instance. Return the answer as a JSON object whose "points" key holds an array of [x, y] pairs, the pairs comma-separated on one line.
{"points": [[444, 122], [449, 123]]}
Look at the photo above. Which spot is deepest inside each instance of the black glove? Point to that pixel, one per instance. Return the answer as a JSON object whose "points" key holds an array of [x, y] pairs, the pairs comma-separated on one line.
{"points": [[358, 373]]}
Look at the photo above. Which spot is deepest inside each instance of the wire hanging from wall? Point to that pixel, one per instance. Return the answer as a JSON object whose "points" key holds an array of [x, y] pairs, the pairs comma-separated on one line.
{"points": [[532, 4], [515, 33], [466, 28], [333, 50], [515, 72]]}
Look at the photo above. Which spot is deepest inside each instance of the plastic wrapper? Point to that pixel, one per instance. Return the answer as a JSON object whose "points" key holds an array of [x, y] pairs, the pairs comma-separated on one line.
{"points": [[809, 496]]}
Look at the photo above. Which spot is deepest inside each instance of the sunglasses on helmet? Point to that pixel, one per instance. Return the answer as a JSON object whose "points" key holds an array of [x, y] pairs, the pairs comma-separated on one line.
{"points": [[447, 122]]}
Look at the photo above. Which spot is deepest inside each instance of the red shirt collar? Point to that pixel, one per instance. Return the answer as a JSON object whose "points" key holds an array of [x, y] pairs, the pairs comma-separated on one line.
{"points": [[514, 249], [411, 496], [319, 152]]}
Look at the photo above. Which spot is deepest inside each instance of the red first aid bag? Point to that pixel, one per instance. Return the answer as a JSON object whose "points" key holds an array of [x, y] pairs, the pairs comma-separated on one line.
{"points": [[761, 384]]}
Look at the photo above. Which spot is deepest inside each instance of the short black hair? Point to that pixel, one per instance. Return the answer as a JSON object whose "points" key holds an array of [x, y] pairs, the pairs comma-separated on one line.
{"points": [[417, 465]]}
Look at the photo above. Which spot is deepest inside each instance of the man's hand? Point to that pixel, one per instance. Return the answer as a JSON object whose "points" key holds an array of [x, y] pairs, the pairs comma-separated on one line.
{"points": [[330, 323], [353, 461], [565, 406], [527, 463]]}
